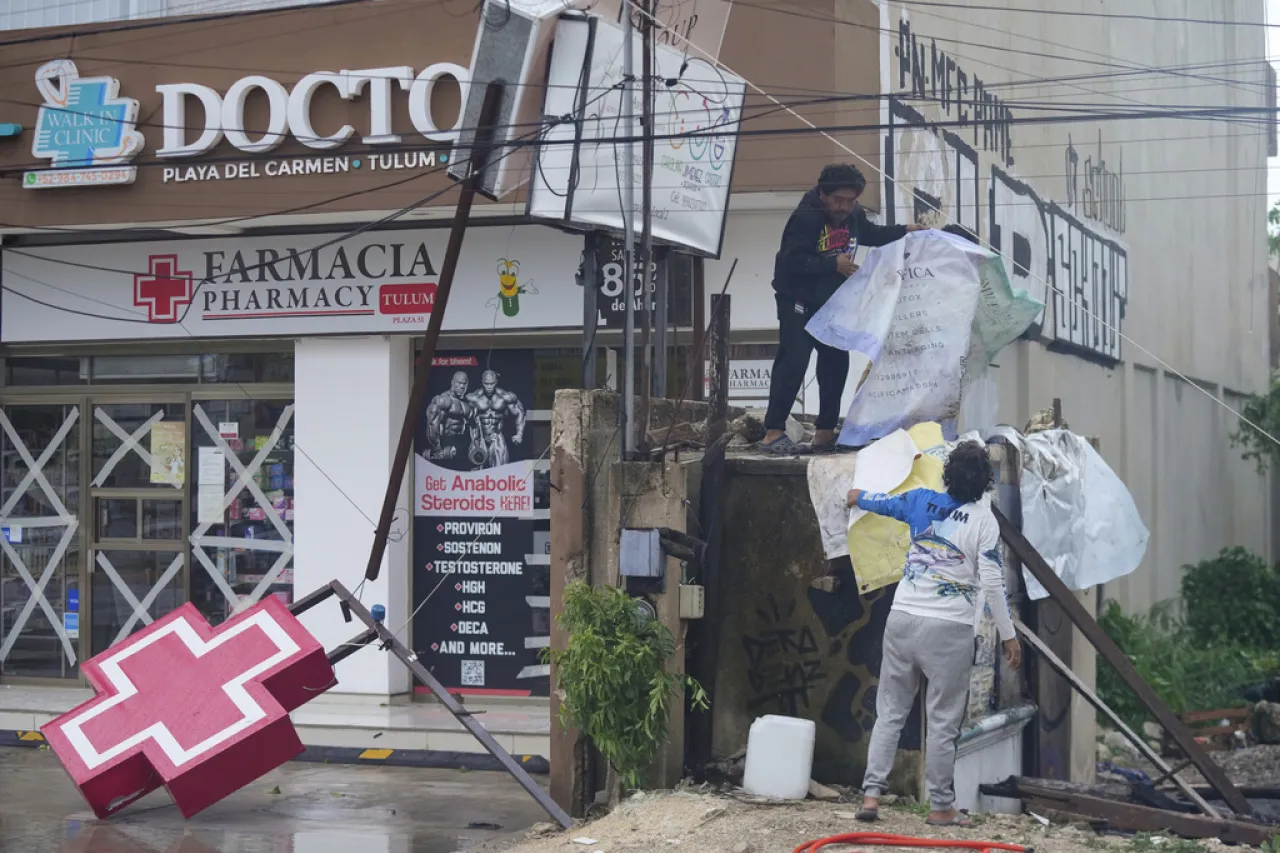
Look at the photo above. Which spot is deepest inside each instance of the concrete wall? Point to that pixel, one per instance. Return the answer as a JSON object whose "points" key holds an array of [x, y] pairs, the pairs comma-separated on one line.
{"points": [[351, 395], [786, 647], [1172, 254]]}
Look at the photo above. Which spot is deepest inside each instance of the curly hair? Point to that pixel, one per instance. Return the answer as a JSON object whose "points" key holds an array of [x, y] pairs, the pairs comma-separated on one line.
{"points": [[841, 176], [961, 231], [967, 474]]}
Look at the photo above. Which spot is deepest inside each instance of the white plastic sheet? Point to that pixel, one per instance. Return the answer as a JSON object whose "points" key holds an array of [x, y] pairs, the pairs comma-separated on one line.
{"points": [[926, 314], [1076, 511]]}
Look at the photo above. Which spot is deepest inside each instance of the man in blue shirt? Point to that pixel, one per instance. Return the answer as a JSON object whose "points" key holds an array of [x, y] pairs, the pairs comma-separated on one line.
{"points": [[953, 563]]}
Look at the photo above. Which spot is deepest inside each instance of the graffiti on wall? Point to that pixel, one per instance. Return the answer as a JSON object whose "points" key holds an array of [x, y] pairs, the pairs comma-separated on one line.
{"points": [[1070, 256], [1093, 189], [797, 667], [925, 72], [818, 657], [784, 664]]}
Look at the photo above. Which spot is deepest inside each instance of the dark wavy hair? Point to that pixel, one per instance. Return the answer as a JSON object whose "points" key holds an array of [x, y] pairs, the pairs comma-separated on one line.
{"points": [[961, 231], [967, 474], [841, 176]]}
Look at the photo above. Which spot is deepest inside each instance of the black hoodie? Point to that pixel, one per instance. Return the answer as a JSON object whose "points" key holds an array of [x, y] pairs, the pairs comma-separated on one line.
{"points": [[805, 268]]}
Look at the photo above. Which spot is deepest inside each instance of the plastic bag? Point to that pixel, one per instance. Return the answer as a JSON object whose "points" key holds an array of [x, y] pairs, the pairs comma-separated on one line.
{"points": [[1076, 512], [928, 313]]}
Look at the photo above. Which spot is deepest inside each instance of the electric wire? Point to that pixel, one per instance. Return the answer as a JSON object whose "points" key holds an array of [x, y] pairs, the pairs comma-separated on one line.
{"points": [[1048, 286]]}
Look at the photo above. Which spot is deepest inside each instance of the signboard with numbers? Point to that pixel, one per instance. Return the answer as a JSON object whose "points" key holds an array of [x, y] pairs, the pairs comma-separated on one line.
{"points": [[612, 301], [476, 574]]}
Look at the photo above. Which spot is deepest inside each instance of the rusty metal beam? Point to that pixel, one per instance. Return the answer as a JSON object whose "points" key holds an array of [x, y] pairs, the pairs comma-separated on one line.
{"points": [[387, 639], [1037, 794], [1092, 698], [1093, 632], [422, 371]]}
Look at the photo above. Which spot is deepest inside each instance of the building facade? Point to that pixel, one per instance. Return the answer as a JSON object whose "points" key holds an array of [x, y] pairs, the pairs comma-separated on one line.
{"points": [[216, 280]]}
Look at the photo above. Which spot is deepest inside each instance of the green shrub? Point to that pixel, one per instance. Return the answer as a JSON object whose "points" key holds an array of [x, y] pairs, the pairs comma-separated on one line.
{"points": [[1233, 598], [1188, 675], [612, 677], [1259, 421]]}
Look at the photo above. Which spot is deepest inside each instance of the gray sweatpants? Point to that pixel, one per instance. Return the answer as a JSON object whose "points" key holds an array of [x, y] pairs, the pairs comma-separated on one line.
{"points": [[942, 652]]}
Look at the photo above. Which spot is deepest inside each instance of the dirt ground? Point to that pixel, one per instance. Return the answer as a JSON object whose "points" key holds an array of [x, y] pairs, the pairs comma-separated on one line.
{"points": [[715, 823]]}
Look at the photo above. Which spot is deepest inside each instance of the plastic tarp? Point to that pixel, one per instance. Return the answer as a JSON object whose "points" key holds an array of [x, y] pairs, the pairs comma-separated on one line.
{"points": [[926, 314], [882, 466], [1075, 511]]}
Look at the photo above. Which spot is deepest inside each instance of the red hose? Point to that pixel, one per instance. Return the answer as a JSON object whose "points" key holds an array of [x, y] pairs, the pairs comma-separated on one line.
{"points": [[880, 838]]}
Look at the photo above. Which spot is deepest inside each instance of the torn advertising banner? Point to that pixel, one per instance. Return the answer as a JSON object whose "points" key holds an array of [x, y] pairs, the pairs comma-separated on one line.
{"points": [[1076, 511], [926, 314]]}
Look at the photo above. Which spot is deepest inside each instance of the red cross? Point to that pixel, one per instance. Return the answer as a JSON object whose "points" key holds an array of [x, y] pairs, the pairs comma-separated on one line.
{"points": [[163, 289], [200, 711], [180, 691]]}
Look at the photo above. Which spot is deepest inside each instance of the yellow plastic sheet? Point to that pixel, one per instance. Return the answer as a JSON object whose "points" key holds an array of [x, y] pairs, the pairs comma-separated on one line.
{"points": [[878, 545]]}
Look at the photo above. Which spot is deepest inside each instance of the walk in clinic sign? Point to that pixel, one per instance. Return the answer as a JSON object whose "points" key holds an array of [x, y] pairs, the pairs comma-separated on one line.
{"points": [[88, 132], [84, 128]]}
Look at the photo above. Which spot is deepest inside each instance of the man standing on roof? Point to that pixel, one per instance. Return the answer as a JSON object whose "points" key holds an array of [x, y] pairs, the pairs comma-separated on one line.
{"points": [[816, 257]]}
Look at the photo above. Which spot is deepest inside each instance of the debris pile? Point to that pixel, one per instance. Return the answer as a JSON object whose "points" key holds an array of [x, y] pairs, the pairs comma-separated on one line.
{"points": [[694, 820]]}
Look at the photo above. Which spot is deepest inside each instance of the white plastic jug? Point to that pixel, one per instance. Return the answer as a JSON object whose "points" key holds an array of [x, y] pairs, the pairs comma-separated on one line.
{"points": [[779, 757]]}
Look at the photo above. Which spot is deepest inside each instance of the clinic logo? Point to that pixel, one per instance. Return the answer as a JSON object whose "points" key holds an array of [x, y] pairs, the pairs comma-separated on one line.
{"points": [[84, 129]]}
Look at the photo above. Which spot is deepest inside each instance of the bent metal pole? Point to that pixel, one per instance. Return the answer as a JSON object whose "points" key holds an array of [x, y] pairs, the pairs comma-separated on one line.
{"points": [[422, 372]]}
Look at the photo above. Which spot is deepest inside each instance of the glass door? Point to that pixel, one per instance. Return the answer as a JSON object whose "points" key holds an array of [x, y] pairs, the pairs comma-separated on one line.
{"points": [[40, 539], [138, 496], [242, 505]]}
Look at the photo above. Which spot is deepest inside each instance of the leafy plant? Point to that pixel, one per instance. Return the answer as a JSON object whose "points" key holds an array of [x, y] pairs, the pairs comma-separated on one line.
{"points": [[1148, 842], [613, 679], [1186, 674], [1234, 598], [1273, 229], [1259, 420], [1271, 846]]}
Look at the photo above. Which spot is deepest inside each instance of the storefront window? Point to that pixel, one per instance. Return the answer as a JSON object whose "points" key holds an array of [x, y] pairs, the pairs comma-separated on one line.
{"points": [[162, 369], [241, 494], [40, 552], [129, 440], [43, 371]]}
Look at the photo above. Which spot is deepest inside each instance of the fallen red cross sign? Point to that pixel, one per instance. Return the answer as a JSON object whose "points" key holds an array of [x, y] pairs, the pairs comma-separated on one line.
{"points": [[201, 711]]}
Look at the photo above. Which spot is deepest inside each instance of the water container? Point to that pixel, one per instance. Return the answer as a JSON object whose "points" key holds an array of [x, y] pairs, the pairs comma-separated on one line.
{"points": [[779, 757]]}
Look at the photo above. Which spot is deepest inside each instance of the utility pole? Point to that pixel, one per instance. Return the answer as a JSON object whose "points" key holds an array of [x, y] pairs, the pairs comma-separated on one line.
{"points": [[627, 409], [646, 213]]}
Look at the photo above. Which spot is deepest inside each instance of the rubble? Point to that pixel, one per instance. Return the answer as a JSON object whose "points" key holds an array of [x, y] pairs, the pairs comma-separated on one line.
{"points": [[1265, 722], [819, 791], [741, 827]]}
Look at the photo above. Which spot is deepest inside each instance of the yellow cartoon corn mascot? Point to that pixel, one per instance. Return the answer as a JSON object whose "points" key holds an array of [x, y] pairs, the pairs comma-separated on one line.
{"points": [[509, 289]]}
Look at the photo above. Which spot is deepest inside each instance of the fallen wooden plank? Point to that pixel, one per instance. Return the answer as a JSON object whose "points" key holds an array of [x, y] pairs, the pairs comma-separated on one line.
{"points": [[1213, 716], [1105, 646], [1092, 698], [1127, 816]]}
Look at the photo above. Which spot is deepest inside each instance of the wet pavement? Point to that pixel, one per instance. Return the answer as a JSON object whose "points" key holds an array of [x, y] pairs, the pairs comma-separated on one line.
{"points": [[298, 808]]}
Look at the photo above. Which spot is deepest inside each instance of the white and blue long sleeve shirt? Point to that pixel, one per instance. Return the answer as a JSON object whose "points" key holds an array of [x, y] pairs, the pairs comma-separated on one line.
{"points": [[954, 556]]}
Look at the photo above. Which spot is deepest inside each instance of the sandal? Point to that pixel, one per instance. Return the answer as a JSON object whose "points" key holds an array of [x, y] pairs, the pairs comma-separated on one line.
{"points": [[868, 815], [784, 446]]}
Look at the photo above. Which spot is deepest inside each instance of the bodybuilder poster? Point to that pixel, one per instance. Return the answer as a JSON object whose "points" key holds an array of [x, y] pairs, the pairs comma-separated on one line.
{"points": [[473, 527]]}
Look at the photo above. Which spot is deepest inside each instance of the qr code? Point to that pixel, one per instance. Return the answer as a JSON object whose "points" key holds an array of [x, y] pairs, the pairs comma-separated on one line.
{"points": [[473, 673]]}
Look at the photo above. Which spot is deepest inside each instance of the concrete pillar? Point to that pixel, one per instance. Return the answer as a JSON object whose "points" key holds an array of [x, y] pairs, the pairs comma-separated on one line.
{"points": [[350, 396]]}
